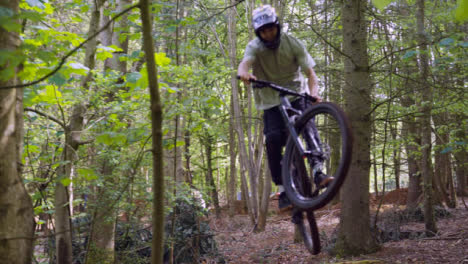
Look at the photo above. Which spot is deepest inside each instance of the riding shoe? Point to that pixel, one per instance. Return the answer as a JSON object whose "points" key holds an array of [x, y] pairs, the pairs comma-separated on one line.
{"points": [[323, 180], [284, 203]]}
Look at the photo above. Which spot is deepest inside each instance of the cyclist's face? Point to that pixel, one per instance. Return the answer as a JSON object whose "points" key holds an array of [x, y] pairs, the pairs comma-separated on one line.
{"points": [[269, 33]]}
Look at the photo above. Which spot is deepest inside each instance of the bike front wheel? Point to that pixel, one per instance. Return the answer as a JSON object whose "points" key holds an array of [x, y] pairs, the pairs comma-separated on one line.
{"points": [[325, 134], [308, 229]]}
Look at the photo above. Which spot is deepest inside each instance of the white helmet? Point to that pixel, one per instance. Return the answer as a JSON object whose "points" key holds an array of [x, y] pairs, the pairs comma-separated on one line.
{"points": [[263, 16], [266, 16]]}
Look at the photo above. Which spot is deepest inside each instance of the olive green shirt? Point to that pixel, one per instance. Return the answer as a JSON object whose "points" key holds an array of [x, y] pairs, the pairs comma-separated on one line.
{"points": [[282, 66]]}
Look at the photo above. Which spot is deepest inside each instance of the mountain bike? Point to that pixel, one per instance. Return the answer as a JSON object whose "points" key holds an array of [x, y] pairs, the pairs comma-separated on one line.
{"points": [[320, 141]]}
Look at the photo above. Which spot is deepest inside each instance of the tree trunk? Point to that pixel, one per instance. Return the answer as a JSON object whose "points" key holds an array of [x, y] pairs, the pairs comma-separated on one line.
{"points": [[63, 226], [396, 155], [410, 128], [156, 121], [264, 202], [442, 167], [265, 188], [412, 140], [354, 235], [208, 142], [244, 158], [232, 165], [426, 108], [461, 158], [63, 237], [16, 212], [102, 238], [115, 63], [101, 242], [336, 96]]}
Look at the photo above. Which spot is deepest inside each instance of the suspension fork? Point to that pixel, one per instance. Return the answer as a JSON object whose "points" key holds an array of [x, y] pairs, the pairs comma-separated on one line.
{"points": [[284, 107]]}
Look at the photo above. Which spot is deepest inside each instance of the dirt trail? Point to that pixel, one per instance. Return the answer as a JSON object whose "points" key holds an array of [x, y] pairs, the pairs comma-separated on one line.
{"points": [[239, 244]]}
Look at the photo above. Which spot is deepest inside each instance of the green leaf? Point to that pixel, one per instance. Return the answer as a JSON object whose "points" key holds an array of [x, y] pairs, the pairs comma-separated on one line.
{"points": [[104, 139], [169, 144], [37, 179], [133, 77], [106, 52], [50, 95], [381, 4], [141, 82], [66, 181], [33, 16], [50, 211], [88, 174], [77, 68], [57, 79], [32, 148], [136, 54], [161, 59], [409, 54], [172, 89], [447, 42], [109, 138], [461, 13], [28, 97], [38, 210], [103, 55]]}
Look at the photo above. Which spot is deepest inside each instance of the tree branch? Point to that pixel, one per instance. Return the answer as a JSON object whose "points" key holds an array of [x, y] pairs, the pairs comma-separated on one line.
{"points": [[64, 59], [46, 116], [220, 12], [329, 43]]}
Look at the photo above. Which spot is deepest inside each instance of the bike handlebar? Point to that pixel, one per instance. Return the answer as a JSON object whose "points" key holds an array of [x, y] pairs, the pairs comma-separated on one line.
{"points": [[282, 90]]}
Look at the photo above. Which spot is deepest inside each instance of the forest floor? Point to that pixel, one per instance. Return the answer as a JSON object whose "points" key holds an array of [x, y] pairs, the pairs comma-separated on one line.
{"points": [[238, 243]]}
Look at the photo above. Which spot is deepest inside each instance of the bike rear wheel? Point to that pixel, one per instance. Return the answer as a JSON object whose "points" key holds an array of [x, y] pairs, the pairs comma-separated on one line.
{"points": [[331, 147]]}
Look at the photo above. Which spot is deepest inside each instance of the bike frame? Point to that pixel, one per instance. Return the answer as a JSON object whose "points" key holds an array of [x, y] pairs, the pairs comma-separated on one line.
{"points": [[286, 106]]}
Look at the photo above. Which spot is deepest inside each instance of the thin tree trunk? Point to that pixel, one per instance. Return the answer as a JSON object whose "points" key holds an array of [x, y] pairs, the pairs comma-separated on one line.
{"points": [[263, 212], [461, 158], [232, 165], [156, 121], [244, 158], [208, 142], [396, 156], [374, 163], [411, 136], [442, 170], [265, 187], [426, 90], [63, 237], [410, 128]]}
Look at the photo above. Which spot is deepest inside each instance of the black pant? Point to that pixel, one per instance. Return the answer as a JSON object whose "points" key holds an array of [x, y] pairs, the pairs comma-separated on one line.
{"points": [[276, 134]]}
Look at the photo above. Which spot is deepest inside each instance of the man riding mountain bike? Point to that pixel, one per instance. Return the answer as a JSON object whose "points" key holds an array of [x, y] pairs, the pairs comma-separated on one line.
{"points": [[280, 58]]}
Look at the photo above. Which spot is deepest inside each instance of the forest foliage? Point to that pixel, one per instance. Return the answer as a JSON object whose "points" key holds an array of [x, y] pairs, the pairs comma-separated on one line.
{"points": [[113, 166]]}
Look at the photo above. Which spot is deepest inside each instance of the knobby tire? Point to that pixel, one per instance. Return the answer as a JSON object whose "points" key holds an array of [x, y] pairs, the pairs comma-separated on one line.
{"points": [[308, 199]]}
